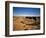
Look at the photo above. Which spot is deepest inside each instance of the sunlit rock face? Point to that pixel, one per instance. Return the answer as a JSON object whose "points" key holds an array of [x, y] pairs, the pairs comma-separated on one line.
{"points": [[26, 23]]}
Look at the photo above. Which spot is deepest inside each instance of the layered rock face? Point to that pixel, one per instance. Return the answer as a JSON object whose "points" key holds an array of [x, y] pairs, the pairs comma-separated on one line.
{"points": [[26, 23]]}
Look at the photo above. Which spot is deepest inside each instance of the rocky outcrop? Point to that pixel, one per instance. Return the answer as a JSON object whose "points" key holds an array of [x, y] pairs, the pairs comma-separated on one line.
{"points": [[23, 23]]}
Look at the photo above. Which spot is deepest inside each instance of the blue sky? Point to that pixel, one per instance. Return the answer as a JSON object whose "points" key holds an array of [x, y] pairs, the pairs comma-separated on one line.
{"points": [[24, 11]]}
